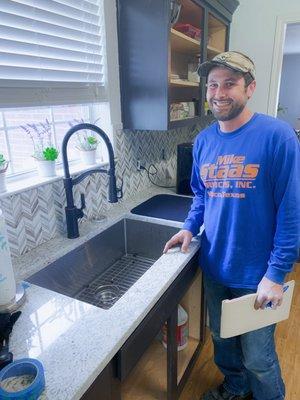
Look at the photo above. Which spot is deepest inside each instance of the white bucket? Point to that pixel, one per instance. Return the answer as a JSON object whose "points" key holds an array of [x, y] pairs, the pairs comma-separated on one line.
{"points": [[46, 168], [88, 157], [182, 330], [2, 182]]}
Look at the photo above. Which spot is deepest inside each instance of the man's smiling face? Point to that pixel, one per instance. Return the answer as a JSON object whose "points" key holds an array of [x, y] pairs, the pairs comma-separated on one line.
{"points": [[227, 94]]}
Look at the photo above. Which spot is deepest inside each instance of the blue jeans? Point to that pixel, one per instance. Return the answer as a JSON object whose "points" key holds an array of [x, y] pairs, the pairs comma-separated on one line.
{"points": [[249, 362]]}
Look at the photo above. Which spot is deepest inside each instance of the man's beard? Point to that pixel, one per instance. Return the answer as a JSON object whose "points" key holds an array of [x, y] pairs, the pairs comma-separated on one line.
{"points": [[231, 114]]}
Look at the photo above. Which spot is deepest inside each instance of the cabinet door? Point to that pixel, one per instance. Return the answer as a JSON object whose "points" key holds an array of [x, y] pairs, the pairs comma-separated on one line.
{"points": [[217, 42], [184, 55], [143, 34], [217, 36]]}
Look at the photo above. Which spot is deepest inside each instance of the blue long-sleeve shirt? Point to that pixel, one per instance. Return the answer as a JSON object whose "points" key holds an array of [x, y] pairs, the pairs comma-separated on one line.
{"points": [[247, 194]]}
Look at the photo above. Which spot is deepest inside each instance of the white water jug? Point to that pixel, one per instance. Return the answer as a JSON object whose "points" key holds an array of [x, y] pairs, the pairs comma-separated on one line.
{"points": [[182, 330], [7, 278]]}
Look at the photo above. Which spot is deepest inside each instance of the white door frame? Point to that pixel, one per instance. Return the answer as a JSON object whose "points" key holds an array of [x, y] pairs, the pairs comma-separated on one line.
{"points": [[281, 24]]}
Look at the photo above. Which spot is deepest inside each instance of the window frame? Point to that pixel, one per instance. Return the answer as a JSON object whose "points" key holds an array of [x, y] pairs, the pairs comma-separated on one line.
{"points": [[110, 94], [16, 92]]}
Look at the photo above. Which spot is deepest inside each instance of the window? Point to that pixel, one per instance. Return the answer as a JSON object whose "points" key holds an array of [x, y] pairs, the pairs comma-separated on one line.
{"points": [[17, 147], [54, 65], [52, 52]]}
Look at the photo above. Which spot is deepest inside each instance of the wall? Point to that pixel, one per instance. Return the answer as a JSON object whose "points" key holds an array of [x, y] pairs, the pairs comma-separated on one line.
{"points": [[252, 32], [37, 215], [289, 96]]}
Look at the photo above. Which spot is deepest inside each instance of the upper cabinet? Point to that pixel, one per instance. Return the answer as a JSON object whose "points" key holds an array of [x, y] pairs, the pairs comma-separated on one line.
{"points": [[161, 42], [217, 36], [184, 47]]}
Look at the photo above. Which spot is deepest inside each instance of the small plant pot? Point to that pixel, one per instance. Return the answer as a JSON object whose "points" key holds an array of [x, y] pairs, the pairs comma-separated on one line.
{"points": [[46, 168], [88, 157], [2, 182]]}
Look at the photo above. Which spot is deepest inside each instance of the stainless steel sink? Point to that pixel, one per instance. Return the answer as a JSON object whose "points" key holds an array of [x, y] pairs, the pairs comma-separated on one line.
{"points": [[101, 270]]}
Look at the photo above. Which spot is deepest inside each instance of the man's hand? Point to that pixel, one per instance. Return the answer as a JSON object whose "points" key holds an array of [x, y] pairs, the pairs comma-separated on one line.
{"points": [[184, 236], [268, 291]]}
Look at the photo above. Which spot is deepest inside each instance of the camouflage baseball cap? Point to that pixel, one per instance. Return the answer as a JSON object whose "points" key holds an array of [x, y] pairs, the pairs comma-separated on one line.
{"points": [[230, 59]]}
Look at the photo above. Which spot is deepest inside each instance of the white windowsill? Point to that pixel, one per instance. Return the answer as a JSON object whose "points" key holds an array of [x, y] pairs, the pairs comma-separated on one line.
{"points": [[29, 181]]}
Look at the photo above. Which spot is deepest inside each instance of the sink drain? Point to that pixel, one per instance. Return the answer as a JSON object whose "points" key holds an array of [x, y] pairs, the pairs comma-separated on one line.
{"points": [[104, 290], [106, 295]]}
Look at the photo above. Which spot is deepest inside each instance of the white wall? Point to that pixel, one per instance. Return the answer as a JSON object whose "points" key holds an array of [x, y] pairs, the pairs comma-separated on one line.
{"points": [[252, 32]]}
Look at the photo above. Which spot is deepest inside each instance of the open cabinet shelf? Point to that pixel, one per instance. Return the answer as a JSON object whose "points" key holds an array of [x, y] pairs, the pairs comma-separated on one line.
{"points": [[182, 43], [182, 82], [178, 123], [217, 32], [148, 380], [213, 51]]}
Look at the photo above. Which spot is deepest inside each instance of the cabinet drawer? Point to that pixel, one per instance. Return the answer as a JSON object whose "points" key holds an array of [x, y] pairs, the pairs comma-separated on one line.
{"points": [[138, 342]]}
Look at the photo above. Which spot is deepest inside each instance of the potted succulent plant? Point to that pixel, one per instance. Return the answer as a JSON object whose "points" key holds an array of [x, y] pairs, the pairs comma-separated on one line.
{"points": [[44, 153], [3, 168], [87, 144], [46, 165]]}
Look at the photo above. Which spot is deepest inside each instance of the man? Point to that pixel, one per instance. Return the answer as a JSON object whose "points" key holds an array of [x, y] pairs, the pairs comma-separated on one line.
{"points": [[245, 179]]}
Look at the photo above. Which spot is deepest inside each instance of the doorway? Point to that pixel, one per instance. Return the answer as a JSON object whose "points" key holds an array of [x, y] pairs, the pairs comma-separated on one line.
{"points": [[286, 52], [288, 108]]}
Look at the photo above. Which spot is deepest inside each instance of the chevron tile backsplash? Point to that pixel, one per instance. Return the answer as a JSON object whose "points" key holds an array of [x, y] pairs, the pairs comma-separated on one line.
{"points": [[37, 215]]}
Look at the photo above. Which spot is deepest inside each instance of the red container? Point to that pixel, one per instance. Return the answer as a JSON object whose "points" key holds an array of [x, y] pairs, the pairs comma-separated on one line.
{"points": [[189, 30]]}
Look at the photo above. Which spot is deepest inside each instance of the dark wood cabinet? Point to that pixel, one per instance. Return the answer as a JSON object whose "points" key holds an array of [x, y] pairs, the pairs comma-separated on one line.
{"points": [[143, 367], [158, 57]]}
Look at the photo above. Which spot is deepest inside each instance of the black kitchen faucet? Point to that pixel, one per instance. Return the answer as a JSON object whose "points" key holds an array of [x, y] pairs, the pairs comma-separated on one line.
{"points": [[72, 212]]}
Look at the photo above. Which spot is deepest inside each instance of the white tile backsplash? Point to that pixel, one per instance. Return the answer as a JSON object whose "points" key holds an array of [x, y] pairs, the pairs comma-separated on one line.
{"points": [[36, 215]]}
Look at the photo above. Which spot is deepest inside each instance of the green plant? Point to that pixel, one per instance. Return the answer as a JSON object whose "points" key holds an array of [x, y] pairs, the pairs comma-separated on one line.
{"points": [[2, 160], [92, 140], [84, 141], [3, 163], [50, 153], [40, 134]]}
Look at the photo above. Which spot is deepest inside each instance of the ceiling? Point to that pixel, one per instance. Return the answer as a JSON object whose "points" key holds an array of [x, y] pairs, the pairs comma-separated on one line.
{"points": [[292, 39]]}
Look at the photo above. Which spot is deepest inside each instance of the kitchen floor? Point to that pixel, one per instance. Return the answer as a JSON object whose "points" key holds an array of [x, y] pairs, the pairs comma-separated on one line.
{"points": [[206, 375]]}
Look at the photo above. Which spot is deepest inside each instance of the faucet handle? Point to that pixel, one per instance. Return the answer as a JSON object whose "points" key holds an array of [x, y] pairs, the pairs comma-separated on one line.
{"points": [[119, 193], [82, 199], [120, 189], [79, 211]]}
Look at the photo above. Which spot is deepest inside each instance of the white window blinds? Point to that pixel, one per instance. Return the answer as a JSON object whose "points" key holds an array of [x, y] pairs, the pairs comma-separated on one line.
{"points": [[51, 52]]}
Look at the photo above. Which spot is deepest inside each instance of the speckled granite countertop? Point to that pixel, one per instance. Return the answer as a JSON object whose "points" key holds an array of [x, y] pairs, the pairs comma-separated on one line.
{"points": [[75, 340]]}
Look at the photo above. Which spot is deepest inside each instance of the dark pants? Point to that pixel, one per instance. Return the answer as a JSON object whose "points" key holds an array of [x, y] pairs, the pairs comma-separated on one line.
{"points": [[249, 362]]}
